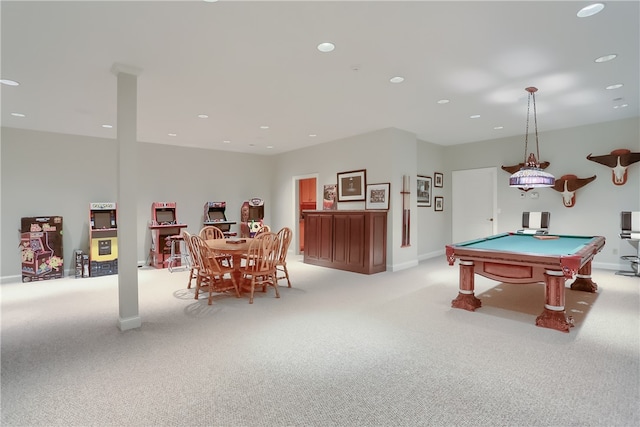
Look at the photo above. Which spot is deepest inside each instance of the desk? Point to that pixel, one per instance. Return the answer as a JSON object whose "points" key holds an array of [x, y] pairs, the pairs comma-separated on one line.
{"points": [[236, 250], [519, 258]]}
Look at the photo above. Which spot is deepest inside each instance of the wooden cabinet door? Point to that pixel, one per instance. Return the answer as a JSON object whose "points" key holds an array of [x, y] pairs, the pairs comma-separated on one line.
{"points": [[318, 237], [307, 190], [348, 243]]}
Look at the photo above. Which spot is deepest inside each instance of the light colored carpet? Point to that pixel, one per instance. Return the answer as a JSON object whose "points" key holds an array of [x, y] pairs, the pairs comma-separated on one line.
{"points": [[337, 349]]}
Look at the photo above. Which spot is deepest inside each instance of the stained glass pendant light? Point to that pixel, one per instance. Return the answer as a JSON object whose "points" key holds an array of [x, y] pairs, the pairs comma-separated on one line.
{"points": [[531, 175]]}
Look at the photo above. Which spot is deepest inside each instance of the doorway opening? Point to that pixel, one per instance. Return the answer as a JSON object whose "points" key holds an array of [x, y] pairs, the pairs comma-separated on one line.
{"points": [[307, 197]]}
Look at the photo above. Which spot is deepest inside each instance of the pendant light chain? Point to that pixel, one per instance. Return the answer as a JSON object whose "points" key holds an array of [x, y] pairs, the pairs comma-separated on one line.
{"points": [[535, 123], [526, 134]]}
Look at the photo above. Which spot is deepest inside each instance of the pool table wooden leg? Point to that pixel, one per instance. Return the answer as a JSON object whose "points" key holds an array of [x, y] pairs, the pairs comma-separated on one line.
{"points": [[553, 316], [583, 280], [466, 299]]}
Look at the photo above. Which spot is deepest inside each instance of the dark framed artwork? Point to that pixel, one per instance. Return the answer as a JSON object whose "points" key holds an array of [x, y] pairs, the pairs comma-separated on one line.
{"points": [[424, 189], [378, 196], [437, 180], [352, 186], [439, 204]]}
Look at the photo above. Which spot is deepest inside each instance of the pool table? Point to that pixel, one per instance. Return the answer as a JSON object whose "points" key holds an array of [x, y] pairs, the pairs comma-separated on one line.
{"points": [[526, 258]]}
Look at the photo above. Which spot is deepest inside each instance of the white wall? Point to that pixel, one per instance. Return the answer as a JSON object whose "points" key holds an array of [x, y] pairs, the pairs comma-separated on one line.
{"points": [[46, 174], [433, 228], [386, 155], [52, 174], [598, 204]]}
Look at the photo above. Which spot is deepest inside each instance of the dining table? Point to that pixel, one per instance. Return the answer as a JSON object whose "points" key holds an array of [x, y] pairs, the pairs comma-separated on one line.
{"points": [[235, 247]]}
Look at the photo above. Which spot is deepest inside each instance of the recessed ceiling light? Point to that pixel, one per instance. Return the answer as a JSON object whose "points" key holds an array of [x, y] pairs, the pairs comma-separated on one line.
{"points": [[226, 141], [9, 82], [326, 47], [107, 126], [498, 127], [312, 135], [172, 134], [269, 146], [620, 106], [606, 58], [615, 86], [475, 116], [264, 127], [203, 116], [210, 1], [18, 115], [443, 101], [396, 79], [590, 10]]}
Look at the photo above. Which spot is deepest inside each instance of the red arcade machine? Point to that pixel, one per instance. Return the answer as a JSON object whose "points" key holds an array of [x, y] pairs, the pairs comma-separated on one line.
{"points": [[214, 215], [41, 247], [103, 239], [163, 226], [251, 210]]}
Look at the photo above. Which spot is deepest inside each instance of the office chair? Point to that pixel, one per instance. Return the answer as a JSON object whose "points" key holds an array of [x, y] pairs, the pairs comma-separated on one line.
{"points": [[630, 231], [535, 223]]}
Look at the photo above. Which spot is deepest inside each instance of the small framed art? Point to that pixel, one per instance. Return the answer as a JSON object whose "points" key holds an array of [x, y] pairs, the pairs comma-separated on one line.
{"points": [[424, 191], [329, 197], [439, 204], [377, 196], [437, 179], [352, 185]]}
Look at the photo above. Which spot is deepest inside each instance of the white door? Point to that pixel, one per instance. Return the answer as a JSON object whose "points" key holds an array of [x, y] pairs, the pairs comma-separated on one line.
{"points": [[474, 204]]}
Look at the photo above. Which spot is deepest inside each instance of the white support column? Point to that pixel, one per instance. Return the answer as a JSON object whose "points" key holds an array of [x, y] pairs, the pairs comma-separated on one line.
{"points": [[129, 316]]}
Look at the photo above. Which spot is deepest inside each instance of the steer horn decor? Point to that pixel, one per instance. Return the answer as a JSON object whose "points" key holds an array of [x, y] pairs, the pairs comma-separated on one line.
{"points": [[531, 174], [618, 160], [568, 185]]}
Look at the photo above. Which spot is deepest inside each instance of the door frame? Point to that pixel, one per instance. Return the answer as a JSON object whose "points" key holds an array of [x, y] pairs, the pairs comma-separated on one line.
{"points": [[296, 205]]}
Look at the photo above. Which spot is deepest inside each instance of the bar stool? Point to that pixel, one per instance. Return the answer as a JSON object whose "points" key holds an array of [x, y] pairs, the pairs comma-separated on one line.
{"points": [[179, 255]]}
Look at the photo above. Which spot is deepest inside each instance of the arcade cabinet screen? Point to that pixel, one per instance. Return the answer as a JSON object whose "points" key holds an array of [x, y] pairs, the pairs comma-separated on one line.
{"points": [[216, 216], [102, 219], [165, 217]]}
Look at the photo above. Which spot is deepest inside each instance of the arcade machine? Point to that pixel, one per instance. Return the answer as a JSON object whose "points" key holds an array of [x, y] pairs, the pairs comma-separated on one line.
{"points": [[214, 215], [251, 210], [103, 239], [164, 226], [41, 247]]}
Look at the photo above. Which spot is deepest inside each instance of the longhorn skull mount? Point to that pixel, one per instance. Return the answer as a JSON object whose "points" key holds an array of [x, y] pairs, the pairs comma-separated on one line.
{"points": [[619, 161]]}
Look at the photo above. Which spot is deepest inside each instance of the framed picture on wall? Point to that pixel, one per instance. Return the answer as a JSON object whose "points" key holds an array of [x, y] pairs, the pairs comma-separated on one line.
{"points": [[377, 196], [424, 191], [352, 186], [437, 179], [439, 204]]}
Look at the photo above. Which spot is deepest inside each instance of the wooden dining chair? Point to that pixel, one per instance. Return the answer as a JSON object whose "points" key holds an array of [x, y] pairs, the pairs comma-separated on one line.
{"points": [[259, 269], [263, 229], [212, 275], [193, 274], [284, 240], [209, 232]]}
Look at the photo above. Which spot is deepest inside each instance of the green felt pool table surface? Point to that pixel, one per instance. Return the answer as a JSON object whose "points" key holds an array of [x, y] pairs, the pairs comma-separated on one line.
{"points": [[524, 243]]}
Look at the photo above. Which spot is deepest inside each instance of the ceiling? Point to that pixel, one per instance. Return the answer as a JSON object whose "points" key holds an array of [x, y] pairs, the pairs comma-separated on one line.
{"points": [[252, 64]]}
